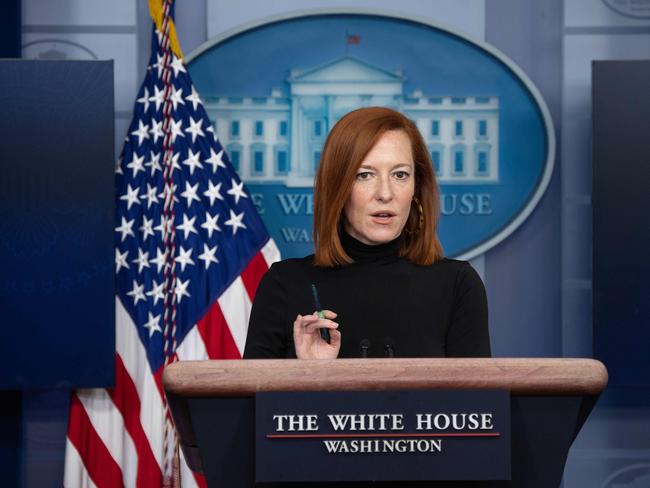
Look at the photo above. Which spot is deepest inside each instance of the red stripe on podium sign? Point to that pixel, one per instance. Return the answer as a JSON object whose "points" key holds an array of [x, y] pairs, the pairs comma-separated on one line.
{"points": [[375, 436]]}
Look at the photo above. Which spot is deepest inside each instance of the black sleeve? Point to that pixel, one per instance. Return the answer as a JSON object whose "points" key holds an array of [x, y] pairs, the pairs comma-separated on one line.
{"points": [[468, 334], [268, 327]]}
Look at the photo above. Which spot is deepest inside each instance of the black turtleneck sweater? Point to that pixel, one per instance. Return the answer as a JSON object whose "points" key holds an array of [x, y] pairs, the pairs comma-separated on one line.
{"points": [[422, 311]]}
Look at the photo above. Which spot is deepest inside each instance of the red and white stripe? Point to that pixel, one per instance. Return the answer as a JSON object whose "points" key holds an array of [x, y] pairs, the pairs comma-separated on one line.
{"points": [[115, 436]]}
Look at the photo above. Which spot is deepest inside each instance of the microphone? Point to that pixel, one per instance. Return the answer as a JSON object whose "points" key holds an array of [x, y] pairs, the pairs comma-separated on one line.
{"points": [[364, 345], [389, 350]]}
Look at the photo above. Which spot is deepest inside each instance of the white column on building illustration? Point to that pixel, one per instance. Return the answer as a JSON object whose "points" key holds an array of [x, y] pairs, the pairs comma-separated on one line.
{"points": [[330, 112], [244, 137], [303, 148], [295, 139]]}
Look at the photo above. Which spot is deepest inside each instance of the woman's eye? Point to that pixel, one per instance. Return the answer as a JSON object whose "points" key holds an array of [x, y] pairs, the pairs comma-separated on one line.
{"points": [[401, 175], [364, 175]]}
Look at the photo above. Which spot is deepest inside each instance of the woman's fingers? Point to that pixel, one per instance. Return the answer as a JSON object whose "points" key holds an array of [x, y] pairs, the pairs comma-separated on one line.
{"points": [[320, 324], [307, 339], [303, 320], [305, 326], [309, 323], [308, 319], [335, 338], [329, 314]]}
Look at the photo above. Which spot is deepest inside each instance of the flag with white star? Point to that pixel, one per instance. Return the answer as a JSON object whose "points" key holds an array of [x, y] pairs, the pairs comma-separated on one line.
{"points": [[190, 249]]}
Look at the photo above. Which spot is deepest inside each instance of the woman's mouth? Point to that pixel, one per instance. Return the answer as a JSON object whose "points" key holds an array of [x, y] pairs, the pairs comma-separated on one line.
{"points": [[382, 217]]}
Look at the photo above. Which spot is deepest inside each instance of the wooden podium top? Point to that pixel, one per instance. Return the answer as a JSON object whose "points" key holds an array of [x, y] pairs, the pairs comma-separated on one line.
{"points": [[522, 376]]}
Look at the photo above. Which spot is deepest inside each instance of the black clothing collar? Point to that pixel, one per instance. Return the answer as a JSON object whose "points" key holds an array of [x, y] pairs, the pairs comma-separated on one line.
{"points": [[361, 252]]}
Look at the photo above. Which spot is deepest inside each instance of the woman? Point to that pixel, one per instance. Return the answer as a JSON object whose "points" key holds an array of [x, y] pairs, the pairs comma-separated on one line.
{"points": [[378, 265]]}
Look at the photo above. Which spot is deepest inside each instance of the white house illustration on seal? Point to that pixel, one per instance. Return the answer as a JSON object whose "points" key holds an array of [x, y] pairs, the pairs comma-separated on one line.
{"points": [[279, 139]]}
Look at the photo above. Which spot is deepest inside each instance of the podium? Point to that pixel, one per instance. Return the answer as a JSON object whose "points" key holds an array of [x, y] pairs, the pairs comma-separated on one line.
{"points": [[213, 406]]}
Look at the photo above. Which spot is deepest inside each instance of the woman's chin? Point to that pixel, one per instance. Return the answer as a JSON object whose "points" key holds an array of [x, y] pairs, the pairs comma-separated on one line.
{"points": [[382, 236]]}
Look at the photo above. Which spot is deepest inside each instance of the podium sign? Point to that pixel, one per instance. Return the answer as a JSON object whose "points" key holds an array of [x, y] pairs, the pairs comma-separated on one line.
{"points": [[382, 436]]}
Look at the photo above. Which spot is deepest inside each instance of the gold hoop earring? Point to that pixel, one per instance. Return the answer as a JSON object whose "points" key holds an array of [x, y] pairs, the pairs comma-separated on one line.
{"points": [[420, 217]]}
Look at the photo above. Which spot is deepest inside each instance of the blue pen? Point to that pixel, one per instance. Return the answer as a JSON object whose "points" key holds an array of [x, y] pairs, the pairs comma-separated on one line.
{"points": [[324, 333]]}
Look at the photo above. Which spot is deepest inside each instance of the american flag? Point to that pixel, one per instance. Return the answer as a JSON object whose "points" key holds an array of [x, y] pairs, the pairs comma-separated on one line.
{"points": [[352, 38], [190, 250]]}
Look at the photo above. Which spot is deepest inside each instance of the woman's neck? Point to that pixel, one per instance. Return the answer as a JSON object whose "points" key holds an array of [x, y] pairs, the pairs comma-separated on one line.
{"points": [[361, 252]]}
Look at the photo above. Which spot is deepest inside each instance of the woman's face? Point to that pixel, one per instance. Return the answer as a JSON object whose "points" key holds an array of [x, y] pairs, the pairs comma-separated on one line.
{"points": [[380, 202]]}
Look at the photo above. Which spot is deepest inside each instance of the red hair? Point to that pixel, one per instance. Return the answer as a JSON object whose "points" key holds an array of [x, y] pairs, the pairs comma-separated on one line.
{"points": [[346, 147]]}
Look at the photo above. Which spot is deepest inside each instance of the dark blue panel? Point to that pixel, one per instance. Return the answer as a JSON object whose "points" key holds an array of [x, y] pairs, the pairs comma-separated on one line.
{"points": [[621, 233], [10, 31], [44, 427], [10, 437], [56, 223]]}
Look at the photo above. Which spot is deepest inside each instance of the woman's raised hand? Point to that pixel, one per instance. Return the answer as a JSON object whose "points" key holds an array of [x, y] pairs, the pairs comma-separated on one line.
{"points": [[307, 339]]}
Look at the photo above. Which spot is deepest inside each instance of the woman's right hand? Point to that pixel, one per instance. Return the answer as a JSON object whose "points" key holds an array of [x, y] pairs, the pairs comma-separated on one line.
{"points": [[307, 339]]}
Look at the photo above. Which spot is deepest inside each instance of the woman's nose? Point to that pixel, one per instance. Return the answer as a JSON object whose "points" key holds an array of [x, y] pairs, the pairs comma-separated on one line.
{"points": [[384, 190]]}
